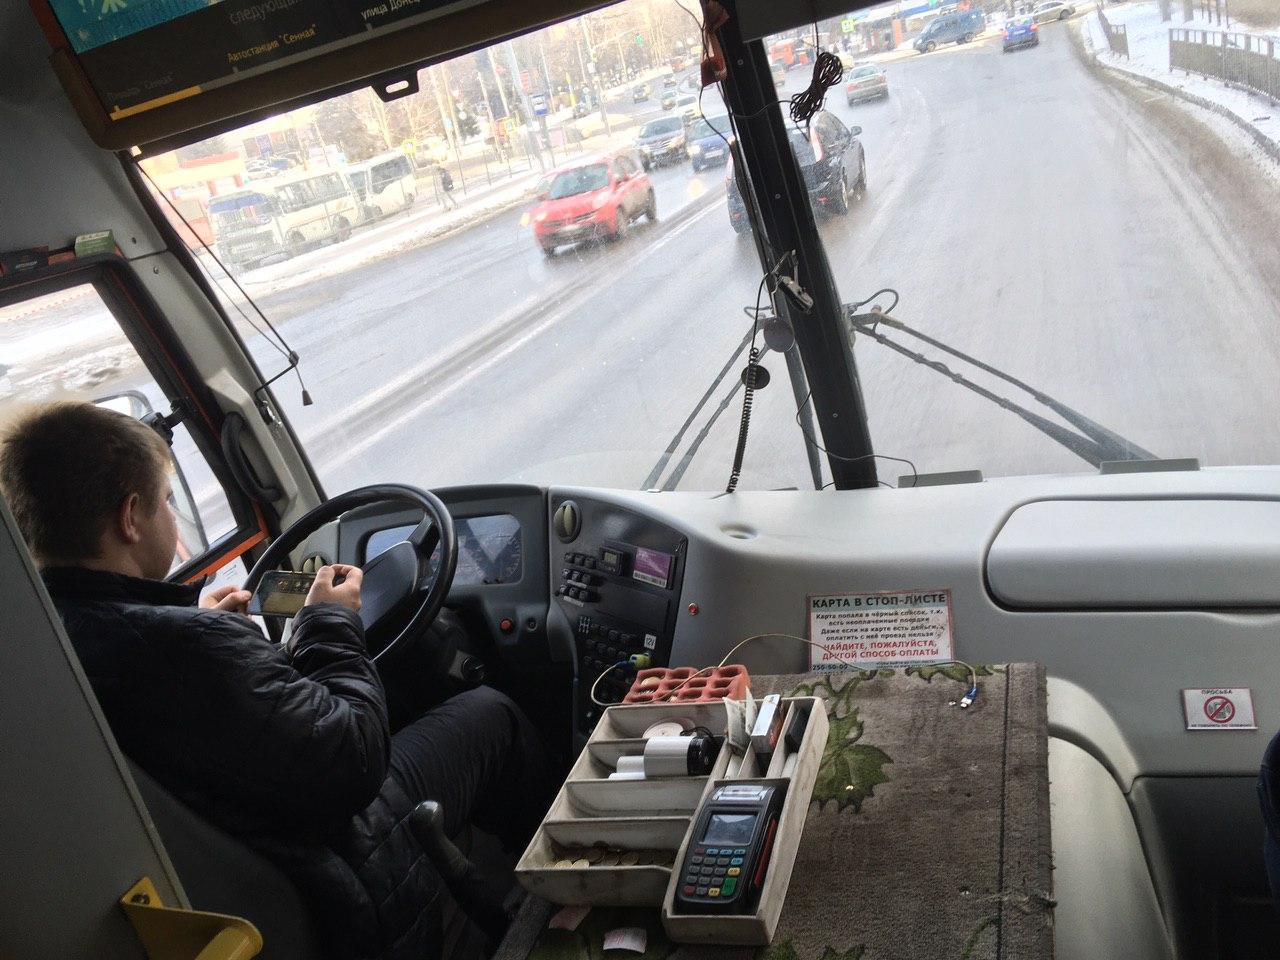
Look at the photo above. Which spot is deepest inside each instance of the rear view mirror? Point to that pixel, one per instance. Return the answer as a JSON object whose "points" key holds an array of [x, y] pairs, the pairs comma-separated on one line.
{"points": [[855, 131], [132, 403]]}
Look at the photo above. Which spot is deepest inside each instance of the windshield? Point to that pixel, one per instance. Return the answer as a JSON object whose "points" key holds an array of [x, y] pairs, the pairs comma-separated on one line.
{"points": [[866, 71], [710, 127], [655, 128], [480, 334], [583, 180], [1112, 250]]}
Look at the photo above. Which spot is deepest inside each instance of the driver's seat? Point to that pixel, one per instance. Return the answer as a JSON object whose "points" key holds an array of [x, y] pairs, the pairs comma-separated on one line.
{"points": [[223, 875]]}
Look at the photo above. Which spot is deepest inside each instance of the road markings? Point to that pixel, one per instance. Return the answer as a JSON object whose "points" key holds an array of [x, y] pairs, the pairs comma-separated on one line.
{"points": [[575, 297]]}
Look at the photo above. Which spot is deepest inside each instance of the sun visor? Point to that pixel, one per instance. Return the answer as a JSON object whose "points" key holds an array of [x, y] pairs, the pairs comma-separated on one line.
{"points": [[762, 18], [153, 70]]}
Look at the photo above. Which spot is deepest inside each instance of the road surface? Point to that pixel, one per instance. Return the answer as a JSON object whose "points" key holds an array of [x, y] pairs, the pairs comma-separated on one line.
{"points": [[1079, 232]]}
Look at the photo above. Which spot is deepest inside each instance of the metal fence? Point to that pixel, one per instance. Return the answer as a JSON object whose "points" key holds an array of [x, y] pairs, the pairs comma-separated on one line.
{"points": [[1117, 38], [1240, 59]]}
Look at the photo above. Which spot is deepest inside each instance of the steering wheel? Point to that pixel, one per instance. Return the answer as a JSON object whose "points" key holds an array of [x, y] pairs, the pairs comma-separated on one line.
{"points": [[397, 582]]}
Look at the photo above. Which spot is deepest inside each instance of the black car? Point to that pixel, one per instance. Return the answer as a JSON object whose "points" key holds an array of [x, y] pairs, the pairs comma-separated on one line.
{"points": [[832, 162]]}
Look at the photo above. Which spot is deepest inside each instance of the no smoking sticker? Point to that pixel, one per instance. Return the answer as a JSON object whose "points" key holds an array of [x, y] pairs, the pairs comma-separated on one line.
{"points": [[1219, 708]]}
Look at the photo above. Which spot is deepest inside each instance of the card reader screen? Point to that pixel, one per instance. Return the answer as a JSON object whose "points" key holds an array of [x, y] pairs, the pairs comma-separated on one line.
{"points": [[730, 829], [652, 566]]}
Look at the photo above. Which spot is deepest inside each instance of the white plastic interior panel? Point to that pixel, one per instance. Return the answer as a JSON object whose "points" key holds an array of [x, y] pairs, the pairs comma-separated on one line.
{"points": [[754, 558], [1143, 553], [1105, 898]]}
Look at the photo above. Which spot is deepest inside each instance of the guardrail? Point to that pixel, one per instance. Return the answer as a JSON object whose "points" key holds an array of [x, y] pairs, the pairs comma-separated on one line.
{"points": [[1240, 59], [1117, 37]]}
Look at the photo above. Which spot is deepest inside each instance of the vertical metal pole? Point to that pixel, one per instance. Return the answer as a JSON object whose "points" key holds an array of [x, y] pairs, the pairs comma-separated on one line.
{"points": [[530, 137], [789, 227], [595, 76]]}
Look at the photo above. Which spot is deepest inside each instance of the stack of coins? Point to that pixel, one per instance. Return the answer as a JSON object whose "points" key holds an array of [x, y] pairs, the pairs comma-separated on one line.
{"points": [[600, 856]]}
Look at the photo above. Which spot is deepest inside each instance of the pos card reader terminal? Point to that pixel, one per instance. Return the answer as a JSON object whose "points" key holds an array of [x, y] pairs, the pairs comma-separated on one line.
{"points": [[729, 849]]}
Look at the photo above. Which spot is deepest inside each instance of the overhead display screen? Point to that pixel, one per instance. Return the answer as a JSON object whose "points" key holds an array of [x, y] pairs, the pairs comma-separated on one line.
{"points": [[141, 54]]}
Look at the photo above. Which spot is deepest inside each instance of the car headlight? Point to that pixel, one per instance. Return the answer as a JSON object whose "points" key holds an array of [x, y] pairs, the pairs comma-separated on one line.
{"points": [[599, 201], [540, 216], [695, 149]]}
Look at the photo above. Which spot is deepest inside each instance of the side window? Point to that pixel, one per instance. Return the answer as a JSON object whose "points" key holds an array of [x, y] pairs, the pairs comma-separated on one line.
{"points": [[296, 196], [68, 345], [330, 187], [836, 130]]}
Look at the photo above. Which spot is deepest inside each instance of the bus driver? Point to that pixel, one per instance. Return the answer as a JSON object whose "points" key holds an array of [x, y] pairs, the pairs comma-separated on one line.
{"points": [[288, 749]]}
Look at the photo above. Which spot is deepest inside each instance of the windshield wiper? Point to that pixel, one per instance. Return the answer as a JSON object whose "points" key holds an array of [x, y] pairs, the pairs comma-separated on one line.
{"points": [[1094, 443]]}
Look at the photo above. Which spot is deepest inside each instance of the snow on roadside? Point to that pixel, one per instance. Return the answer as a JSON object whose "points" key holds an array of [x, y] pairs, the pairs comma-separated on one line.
{"points": [[1149, 57]]}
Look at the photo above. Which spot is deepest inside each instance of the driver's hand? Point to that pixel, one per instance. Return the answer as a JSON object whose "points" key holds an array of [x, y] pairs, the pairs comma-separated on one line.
{"points": [[347, 590], [229, 598]]}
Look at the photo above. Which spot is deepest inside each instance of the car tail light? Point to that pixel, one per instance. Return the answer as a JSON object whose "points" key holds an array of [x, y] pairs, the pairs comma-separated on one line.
{"points": [[1006, 34], [1033, 28], [816, 142]]}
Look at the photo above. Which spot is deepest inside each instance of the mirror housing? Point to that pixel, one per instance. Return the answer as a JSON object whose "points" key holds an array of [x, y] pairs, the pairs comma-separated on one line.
{"points": [[855, 131]]}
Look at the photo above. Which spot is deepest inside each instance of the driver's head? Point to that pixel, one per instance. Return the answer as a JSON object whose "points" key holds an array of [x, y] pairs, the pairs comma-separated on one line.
{"points": [[89, 487]]}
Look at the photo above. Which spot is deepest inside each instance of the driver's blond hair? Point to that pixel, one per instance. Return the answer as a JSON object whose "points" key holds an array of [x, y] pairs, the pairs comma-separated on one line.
{"points": [[66, 467]]}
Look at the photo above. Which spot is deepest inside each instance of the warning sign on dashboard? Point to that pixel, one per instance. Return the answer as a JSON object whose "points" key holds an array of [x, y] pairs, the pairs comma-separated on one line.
{"points": [[900, 627], [1219, 708]]}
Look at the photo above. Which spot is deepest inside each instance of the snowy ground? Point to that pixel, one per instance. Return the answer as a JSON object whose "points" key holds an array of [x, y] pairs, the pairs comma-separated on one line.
{"points": [[1149, 56]]}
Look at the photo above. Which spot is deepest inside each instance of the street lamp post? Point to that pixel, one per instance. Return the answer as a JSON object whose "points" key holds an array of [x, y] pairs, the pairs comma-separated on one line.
{"points": [[595, 76], [514, 66]]}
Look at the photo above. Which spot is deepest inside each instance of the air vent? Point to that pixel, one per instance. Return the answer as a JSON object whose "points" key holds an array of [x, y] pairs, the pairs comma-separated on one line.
{"points": [[567, 521], [314, 562]]}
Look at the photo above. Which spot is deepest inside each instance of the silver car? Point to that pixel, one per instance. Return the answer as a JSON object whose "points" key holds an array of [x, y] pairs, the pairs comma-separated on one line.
{"points": [[1052, 10]]}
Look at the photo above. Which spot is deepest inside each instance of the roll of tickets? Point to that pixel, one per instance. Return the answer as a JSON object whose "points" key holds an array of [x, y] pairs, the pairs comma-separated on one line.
{"points": [[631, 764], [665, 728]]}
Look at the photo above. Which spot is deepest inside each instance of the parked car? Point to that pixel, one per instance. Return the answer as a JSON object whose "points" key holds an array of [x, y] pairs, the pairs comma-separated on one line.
{"points": [[1021, 32], [640, 94], [669, 83], [708, 141], [832, 161], [959, 27], [1052, 10], [662, 140], [592, 200], [866, 83]]}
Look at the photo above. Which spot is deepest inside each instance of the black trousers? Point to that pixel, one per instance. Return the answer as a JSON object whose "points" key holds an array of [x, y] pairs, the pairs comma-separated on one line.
{"points": [[481, 759]]}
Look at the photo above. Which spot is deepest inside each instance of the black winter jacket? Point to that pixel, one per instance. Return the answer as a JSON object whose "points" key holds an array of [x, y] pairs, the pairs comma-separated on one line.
{"points": [[282, 749]]}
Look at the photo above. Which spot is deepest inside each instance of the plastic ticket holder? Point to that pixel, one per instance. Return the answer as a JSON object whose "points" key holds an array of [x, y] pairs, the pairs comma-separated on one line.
{"points": [[612, 841], [752, 920], [615, 842]]}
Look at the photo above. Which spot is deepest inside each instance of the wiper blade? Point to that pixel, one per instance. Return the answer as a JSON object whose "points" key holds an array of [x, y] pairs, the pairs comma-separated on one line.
{"points": [[1094, 444]]}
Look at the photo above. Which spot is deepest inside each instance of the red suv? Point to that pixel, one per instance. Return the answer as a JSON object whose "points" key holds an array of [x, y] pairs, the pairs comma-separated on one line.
{"points": [[591, 200]]}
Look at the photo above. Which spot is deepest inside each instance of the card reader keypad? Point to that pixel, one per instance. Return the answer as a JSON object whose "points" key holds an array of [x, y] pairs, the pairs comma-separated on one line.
{"points": [[714, 873]]}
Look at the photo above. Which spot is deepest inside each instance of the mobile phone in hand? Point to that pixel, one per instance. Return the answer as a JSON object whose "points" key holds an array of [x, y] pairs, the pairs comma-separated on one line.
{"points": [[281, 593]]}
